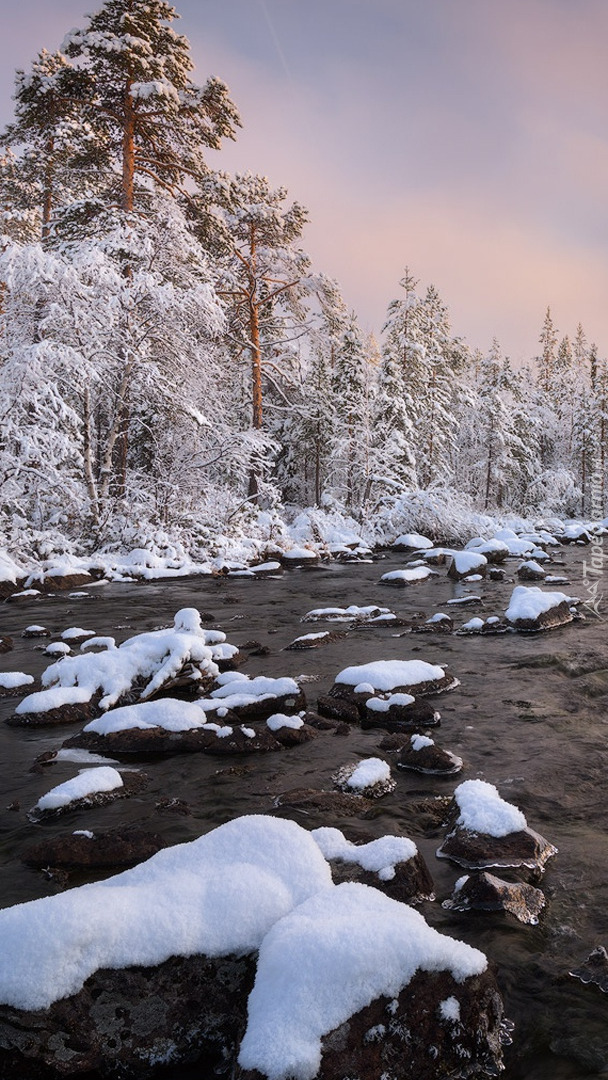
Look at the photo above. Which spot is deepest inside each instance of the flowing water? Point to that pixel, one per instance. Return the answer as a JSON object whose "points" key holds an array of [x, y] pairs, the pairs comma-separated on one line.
{"points": [[524, 718]]}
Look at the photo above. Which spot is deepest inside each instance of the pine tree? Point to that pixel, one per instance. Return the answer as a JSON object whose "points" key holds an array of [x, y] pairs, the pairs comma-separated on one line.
{"points": [[262, 283], [352, 397], [158, 123], [547, 358]]}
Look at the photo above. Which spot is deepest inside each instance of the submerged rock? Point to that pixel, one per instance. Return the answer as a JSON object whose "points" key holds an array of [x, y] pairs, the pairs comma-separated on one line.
{"points": [[484, 892], [87, 850], [329, 803], [594, 969]]}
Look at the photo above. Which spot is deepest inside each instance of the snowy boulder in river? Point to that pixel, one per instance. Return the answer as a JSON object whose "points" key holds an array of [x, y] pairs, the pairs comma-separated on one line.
{"points": [[530, 570], [382, 678], [392, 864], [412, 542], [531, 609], [158, 964], [402, 578], [399, 712], [370, 778], [80, 687], [421, 754], [495, 550], [463, 563], [486, 831]]}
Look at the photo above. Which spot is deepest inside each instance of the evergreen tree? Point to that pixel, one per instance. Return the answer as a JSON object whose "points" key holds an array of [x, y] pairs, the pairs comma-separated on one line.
{"points": [[158, 123], [352, 397]]}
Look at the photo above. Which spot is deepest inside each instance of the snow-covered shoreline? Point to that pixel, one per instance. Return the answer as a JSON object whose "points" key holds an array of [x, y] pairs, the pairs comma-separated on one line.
{"points": [[268, 542]]}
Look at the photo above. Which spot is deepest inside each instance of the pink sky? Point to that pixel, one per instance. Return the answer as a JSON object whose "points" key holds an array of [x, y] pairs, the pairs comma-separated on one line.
{"points": [[464, 138]]}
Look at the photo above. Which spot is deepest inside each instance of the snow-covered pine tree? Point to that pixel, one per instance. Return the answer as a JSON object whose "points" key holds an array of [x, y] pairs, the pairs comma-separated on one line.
{"points": [[62, 157], [158, 123], [353, 395], [546, 359], [262, 281], [443, 361]]}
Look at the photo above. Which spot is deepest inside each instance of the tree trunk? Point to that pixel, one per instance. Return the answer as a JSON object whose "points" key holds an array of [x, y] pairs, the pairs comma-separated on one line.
{"points": [[256, 359], [490, 462], [128, 151], [88, 457], [47, 195]]}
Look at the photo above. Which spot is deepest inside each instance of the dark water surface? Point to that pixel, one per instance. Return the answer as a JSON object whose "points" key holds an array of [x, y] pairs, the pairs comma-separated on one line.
{"points": [[531, 727]]}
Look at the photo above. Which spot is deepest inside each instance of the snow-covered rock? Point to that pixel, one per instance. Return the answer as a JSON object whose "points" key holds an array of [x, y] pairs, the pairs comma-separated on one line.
{"points": [[412, 542], [154, 659], [406, 576], [488, 831], [532, 609], [370, 777], [464, 563]]}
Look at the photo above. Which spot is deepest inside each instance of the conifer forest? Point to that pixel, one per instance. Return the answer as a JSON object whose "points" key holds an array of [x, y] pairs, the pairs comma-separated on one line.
{"points": [[172, 364]]}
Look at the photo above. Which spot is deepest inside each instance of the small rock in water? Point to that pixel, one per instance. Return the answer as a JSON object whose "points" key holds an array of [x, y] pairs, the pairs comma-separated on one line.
{"points": [[594, 969], [370, 778], [485, 892], [423, 755]]}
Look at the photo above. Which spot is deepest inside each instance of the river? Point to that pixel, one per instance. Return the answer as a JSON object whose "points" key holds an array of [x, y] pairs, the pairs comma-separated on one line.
{"points": [[520, 719]]}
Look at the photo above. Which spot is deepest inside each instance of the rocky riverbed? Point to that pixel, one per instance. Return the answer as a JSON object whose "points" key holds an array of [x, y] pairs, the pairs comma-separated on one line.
{"points": [[529, 717]]}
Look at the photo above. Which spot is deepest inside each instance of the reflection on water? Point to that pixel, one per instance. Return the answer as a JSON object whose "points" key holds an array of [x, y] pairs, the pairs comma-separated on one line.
{"points": [[524, 718]]}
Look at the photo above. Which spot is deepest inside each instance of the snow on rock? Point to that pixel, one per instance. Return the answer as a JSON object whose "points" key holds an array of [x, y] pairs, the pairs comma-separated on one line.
{"points": [[76, 633], [280, 720], [463, 563], [380, 856], [532, 608], [530, 570], [406, 577], [45, 700], [256, 697], [370, 777], [385, 704], [170, 714], [57, 648], [217, 895], [336, 614], [154, 658], [495, 550], [483, 811], [334, 954], [87, 782], [391, 675], [12, 680], [412, 542]]}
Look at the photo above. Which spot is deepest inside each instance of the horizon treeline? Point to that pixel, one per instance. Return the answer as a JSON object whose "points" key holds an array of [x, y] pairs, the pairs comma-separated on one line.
{"points": [[169, 354]]}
